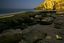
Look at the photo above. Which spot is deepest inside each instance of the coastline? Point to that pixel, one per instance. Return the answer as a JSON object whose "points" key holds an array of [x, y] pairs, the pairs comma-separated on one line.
{"points": [[12, 13], [15, 13], [19, 12]]}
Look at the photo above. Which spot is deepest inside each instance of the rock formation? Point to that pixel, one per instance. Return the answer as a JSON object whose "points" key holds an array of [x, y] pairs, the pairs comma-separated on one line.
{"points": [[51, 5]]}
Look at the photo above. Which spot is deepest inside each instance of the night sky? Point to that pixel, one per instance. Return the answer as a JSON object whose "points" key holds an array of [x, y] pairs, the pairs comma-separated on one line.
{"points": [[19, 4]]}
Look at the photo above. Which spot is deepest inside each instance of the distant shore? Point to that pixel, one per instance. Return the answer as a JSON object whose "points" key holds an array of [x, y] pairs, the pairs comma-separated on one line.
{"points": [[19, 12], [12, 13]]}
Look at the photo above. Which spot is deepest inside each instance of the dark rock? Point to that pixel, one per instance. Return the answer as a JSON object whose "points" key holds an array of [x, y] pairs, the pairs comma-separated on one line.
{"points": [[22, 41], [32, 35], [11, 36], [59, 22]]}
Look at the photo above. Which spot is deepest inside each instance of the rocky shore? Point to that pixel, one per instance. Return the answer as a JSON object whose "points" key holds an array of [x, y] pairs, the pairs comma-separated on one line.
{"points": [[32, 27]]}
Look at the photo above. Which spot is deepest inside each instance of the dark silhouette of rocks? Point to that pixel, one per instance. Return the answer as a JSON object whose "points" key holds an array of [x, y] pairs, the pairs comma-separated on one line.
{"points": [[33, 35], [11, 36]]}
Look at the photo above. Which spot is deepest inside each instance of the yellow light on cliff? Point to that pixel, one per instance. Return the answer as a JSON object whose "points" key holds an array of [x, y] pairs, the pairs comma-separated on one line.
{"points": [[51, 5]]}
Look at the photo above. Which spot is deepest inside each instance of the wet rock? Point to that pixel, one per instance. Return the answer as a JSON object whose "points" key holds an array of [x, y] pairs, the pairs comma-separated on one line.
{"points": [[59, 22], [33, 35], [47, 20]]}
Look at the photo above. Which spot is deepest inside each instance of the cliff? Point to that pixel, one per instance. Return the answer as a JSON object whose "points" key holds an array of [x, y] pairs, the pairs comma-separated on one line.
{"points": [[51, 5]]}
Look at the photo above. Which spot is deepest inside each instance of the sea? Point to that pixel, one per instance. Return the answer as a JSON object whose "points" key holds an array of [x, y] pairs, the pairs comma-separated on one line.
{"points": [[5, 11]]}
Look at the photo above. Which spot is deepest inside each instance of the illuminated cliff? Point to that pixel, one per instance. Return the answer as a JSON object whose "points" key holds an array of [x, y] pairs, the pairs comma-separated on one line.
{"points": [[51, 5]]}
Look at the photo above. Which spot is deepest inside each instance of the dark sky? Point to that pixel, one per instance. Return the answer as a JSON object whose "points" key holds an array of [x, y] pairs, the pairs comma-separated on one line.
{"points": [[19, 4]]}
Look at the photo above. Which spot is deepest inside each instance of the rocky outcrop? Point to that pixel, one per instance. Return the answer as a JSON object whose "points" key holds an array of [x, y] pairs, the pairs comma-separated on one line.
{"points": [[51, 5]]}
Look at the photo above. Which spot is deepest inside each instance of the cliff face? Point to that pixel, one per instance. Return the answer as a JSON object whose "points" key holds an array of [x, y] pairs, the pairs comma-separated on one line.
{"points": [[51, 5]]}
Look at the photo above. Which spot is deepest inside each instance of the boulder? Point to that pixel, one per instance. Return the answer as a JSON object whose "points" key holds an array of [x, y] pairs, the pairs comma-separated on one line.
{"points": [[32, 35], [47, 20]]}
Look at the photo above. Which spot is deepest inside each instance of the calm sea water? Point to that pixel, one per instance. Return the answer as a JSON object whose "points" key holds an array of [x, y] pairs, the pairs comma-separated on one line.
{"points": [[4, 11]]}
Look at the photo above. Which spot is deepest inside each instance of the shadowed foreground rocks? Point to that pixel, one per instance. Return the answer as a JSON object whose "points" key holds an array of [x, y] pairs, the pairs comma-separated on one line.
{"points": [[11, 36], [33, 35], [25, 36]]}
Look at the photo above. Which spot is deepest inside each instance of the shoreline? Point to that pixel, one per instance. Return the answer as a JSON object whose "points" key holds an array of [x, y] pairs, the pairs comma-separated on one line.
{"points": [[19, 12], [12, 13]]}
